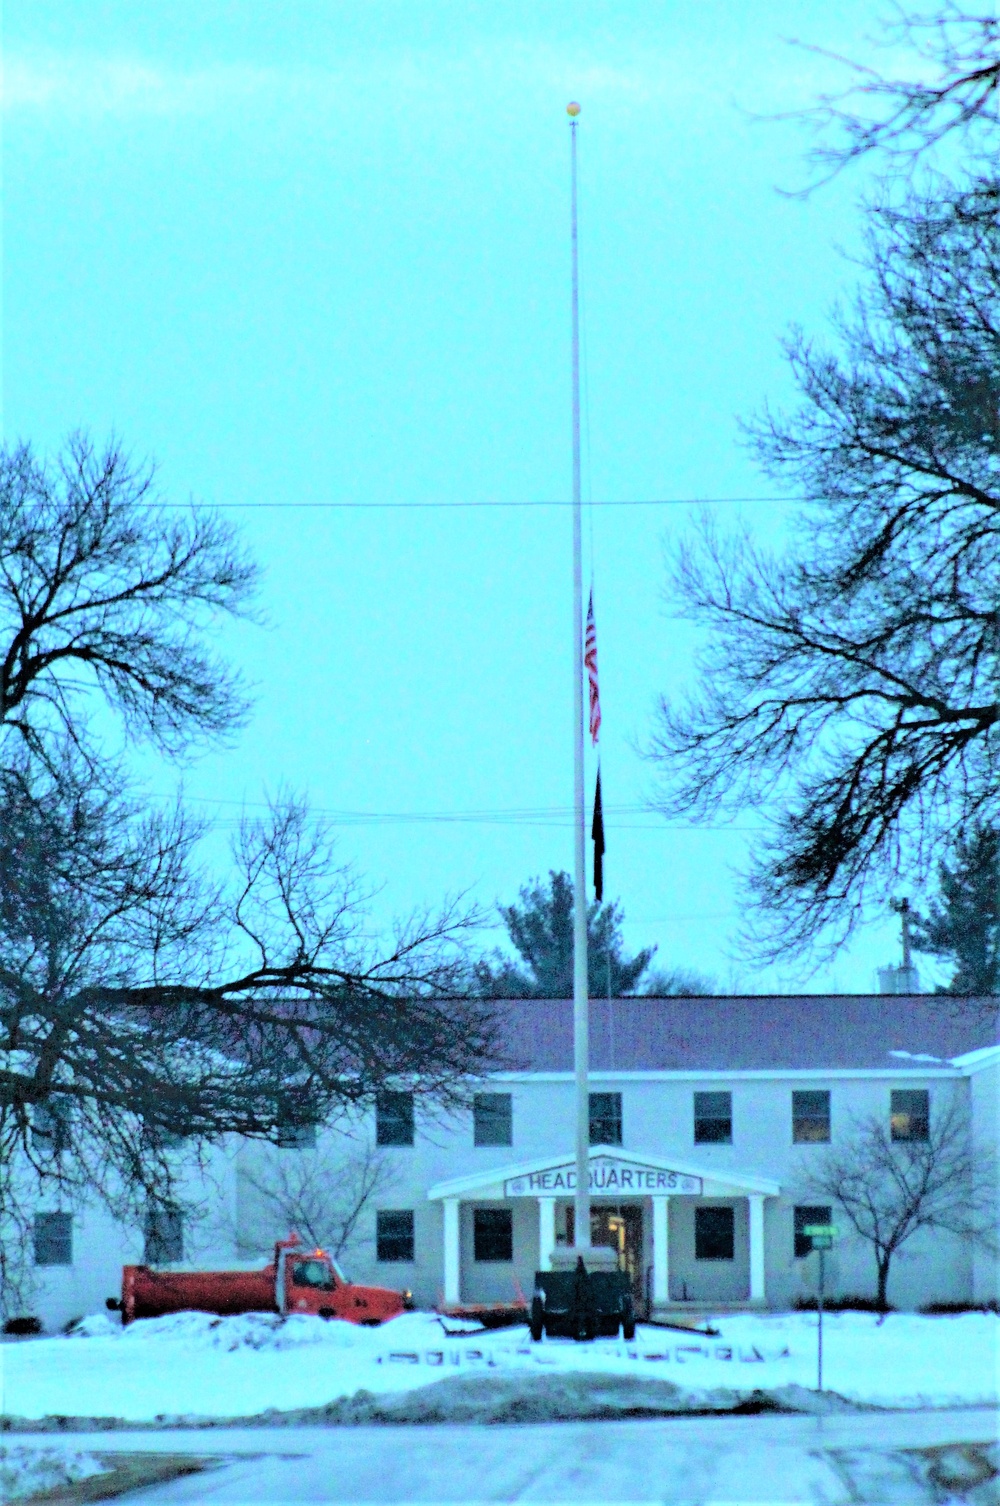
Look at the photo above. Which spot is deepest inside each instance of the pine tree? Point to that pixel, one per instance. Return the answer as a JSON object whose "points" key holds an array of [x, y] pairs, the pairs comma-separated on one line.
{"points": [[962, 925], [540, 928]]}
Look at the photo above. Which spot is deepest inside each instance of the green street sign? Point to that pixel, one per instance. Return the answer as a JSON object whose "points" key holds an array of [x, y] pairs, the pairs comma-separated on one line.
{"points": [[821, 1241], [821, 1231]]}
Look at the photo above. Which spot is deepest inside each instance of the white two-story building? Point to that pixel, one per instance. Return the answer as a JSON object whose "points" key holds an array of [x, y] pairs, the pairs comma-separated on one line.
{"points": [[707, 1118]]}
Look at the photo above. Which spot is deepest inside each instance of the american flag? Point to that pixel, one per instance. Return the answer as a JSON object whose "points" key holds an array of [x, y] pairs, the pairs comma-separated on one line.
{"points": [[590, 659]]}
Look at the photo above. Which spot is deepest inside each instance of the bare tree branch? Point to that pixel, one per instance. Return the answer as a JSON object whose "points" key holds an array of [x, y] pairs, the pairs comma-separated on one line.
{"points": [[950, 93], [890, 1189], [850, 688]]}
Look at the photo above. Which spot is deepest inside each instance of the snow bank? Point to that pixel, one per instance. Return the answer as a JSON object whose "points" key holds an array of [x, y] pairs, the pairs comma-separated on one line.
{"points": [[26, 1471], [196, 1366]]}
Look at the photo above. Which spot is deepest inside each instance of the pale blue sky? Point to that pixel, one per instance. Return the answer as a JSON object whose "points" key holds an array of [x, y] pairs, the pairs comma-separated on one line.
{"points": [[318, 252]]}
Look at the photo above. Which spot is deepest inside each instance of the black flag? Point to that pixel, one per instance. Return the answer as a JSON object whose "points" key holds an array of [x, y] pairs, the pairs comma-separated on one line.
{"points": [[597, 832]]}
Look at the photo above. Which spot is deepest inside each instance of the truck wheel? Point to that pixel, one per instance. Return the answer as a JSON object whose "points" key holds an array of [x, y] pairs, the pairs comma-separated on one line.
{"points": [[628, 1319], [537, 1319]]}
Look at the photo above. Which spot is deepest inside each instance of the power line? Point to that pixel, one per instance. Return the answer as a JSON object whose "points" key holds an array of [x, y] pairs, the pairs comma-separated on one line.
{"points": [[510, 816], [476, 504]]}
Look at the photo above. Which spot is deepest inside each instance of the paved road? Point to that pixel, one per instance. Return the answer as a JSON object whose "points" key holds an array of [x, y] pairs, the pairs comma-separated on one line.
{"points": [[911, 1457]]}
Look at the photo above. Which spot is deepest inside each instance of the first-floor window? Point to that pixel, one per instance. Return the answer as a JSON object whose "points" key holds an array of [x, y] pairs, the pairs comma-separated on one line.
{"points": [[164, 1236], [493, 1233], [394, 1234], [53, 1239], [714, 1234], [806, 1214]]}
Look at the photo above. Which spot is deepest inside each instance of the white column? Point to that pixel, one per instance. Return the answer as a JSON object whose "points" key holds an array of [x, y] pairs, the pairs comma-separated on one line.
{"points": [[546, 1232], [452, 1250], [756, 1202], [661, 1251]]}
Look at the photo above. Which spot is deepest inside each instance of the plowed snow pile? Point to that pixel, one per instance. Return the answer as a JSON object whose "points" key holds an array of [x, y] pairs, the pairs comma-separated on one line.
{"points": [[193, 1365]]}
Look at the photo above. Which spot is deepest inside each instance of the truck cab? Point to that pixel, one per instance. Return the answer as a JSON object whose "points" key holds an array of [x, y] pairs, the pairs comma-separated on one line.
{"points": [[312, 1282]]}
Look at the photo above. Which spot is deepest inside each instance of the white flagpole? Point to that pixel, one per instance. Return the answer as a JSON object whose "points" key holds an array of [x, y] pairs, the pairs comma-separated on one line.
{"points": [[581, 1022]]}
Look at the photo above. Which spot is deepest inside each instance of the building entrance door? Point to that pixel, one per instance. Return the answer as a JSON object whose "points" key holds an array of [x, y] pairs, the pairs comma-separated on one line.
{"points": [[621, 1228]]}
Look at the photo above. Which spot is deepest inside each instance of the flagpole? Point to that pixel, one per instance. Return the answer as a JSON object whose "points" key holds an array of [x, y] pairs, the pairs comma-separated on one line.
{"points": [[581, 1022]]}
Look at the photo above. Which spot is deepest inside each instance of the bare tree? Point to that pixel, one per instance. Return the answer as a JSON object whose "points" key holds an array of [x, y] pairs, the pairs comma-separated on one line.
{"points": [[889, 1189], [144, 1000], [144, 1004], [951, 93], [849, 686], [321, 1193], [103, 589]]}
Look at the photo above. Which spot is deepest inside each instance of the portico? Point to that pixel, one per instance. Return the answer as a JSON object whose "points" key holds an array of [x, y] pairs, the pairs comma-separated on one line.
{"points": [[647, 1180]]}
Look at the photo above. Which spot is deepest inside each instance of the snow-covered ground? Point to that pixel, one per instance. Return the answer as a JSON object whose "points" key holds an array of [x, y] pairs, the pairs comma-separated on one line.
{"points": [[27, 1471], [196, 1366]]}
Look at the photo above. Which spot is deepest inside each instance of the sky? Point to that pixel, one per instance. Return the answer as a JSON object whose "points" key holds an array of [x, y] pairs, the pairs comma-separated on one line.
{"points": [[314, 259]]}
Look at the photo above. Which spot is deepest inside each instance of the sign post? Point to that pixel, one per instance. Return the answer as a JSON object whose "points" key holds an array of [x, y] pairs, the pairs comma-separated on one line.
{"points": [[822, 1237]]}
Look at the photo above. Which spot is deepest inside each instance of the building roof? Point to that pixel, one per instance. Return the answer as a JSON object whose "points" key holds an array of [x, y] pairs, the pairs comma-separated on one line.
{"points": [[759, 1032]]}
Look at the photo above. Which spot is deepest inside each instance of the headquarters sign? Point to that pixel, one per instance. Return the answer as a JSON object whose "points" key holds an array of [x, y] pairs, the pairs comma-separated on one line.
{"points": [[608, 1177]]}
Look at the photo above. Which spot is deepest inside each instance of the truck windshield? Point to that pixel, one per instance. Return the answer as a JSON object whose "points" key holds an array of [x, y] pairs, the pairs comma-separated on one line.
{"points": [[314, 1273]]}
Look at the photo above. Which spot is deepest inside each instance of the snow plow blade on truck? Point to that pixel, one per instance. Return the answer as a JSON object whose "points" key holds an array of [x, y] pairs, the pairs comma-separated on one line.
{"points": [[296, 1281]]}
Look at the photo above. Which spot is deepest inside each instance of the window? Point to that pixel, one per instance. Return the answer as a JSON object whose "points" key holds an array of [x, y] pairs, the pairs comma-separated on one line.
{"points": [[713, 1118], [394, 1119], [50, 1126], [297, 1137], [492, 1119], [714, 1236], [810, 1117], [164, 1236], [909, 1110], [53, 1239], [314, 1273], [394, 1234], [493, 1233], [809, 1213], [605, 1119]]}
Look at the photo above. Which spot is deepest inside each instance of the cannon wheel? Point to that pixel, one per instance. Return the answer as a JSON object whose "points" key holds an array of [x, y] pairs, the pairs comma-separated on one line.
{"points": [[628, 1317], [536, 1318]]}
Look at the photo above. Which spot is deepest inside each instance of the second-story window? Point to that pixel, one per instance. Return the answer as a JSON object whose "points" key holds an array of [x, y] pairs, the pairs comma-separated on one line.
{"points": [[492, 1121], [297, 1137], [394, 1118], [910, 1113], [605, 1119], [51, 1125], [810, 1117], [713, 1118]]}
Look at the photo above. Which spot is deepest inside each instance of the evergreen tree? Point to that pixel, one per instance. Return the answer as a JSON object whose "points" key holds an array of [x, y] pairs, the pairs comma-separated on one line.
{"points": [[962, 926], [540, 928]]}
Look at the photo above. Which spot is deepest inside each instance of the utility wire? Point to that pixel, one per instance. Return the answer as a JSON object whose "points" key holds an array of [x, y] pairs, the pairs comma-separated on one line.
{"points": [[444, 506], [512, 816]]}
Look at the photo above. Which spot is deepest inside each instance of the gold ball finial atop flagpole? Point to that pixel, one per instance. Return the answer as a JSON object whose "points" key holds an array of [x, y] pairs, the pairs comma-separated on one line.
{"points": [[573, 109]]}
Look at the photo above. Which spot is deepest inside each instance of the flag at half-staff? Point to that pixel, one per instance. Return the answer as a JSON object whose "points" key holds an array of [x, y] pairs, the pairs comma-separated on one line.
{"points": [[597, 832], [597, 825], [590, 659]]}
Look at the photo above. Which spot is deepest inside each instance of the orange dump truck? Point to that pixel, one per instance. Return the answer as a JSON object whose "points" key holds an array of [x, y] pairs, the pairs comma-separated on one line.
{"points": [[296, 1281]]}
